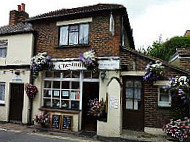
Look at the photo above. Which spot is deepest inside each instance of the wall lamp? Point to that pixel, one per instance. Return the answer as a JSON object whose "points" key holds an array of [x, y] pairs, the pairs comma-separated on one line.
{"points": [[103, 75]]}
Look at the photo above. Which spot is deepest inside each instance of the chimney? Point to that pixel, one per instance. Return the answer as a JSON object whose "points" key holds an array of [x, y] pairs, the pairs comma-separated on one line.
{"points": [[17, 16]]}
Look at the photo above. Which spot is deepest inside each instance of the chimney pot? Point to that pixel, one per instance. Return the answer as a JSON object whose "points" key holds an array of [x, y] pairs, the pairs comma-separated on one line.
{"points": [[22, 7], [19, 8]]}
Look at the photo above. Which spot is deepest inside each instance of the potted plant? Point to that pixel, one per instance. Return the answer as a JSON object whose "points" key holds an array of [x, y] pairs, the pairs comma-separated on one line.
{"points": [[43, 119]]}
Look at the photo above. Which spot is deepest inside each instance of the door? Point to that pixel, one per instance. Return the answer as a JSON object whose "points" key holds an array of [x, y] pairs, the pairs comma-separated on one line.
{"points": [[90, 91], [133, 105], [16, 102]]}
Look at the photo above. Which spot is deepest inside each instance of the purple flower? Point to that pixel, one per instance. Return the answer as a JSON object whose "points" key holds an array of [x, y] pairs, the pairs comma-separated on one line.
{"points": [[81, 57]]}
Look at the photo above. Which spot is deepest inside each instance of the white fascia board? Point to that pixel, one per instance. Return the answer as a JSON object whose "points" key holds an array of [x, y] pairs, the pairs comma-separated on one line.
{"points": [[133, 73], [76, 21]]}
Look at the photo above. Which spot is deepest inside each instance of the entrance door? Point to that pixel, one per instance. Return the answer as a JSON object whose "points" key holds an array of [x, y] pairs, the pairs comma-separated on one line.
{"points": [[133, 109], [90, 91], [16, 102]]}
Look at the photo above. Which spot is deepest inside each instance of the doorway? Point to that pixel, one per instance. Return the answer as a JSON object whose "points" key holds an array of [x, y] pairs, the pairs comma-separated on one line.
{"points": [[133, 104], [90, 91], [16, 102]]}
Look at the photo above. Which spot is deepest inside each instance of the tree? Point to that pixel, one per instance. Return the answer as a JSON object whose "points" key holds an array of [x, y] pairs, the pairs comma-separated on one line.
{"points": [[165, 50]]}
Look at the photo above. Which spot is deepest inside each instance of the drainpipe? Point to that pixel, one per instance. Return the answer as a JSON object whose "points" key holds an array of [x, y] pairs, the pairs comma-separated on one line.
{"points": [[32, 81]]}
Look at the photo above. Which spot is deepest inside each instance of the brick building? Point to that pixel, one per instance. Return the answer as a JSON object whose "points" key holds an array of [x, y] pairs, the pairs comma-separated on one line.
{"points": [[65, 90]]}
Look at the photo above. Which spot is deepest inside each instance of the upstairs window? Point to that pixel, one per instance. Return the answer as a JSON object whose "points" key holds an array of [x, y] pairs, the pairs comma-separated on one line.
{"points": [[74, 34], [3, 48]]}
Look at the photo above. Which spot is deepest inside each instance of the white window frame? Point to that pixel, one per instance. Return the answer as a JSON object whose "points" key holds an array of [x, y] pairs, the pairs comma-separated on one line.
{"points": [[4, 45], [81, 79], [3, 101], [69, 33], [163, 103]]}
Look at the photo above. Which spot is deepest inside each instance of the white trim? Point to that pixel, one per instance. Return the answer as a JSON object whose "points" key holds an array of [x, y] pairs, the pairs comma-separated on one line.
{"points": [[174, 58], [133, 73], [2, 102], [161, 83], [76, 21]]}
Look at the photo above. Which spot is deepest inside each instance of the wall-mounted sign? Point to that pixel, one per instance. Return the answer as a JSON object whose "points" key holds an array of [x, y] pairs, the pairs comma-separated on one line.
{"points": [[69, 65], [16, 78], [109, 64]]}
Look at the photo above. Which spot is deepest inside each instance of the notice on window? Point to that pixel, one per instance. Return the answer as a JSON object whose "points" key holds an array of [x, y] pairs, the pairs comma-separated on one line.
{"points": [[114, 102]]}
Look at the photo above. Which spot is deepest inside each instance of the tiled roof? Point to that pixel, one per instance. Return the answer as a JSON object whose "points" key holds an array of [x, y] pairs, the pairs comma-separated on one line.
{"points": [[18, 28], [150, 58], [86, 9], [183, 51]]}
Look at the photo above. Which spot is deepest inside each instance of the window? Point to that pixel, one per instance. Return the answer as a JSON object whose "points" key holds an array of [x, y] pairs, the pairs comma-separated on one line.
{"points": [[74, 34], [133, 95], [2, 93], [3, 48], [164, 99], [62, 89]]}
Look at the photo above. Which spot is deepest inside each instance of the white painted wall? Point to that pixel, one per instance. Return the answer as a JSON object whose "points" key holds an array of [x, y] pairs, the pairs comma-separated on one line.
{"points": [[113, 126], [19, 50], [7, 78]]}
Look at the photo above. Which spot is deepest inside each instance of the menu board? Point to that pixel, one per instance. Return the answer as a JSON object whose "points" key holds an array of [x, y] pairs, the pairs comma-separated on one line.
{"points": [[55, 121], [67, 123]]}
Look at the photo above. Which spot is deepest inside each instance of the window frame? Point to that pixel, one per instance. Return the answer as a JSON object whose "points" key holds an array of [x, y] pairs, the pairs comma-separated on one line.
{"points": [[4, 47], [3, 101], [78, 39], [163, 103]]}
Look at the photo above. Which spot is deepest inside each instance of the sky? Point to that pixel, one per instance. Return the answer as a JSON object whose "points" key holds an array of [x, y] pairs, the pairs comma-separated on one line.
{"points": [[149, 19]]}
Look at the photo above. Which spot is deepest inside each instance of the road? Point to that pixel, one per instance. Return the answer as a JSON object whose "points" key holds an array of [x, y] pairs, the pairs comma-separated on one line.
{"points": [[14, 136]]}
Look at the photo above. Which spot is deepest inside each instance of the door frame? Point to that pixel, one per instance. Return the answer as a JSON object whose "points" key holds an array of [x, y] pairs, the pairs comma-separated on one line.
{"points": [[10, 87], [124, 79]]}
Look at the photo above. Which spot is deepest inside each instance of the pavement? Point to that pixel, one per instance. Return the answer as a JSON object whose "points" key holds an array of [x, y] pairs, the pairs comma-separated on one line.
{"points": [[127, 135]]}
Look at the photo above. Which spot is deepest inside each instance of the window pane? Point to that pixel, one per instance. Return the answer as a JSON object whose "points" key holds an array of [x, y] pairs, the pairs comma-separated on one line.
{"points": [[67, 74], [137, 84], [56, 84], [84, 32], [65, 85], [75, 74], [137, 94], [63, 35], [3, 52], [2, 92], [65, 104], [129, 83], [164, 96], [47, 93], [87, 74], [74, 104], [57, 74], [75, 85], [47, 84], [56, 103], [56, 93], [129, 93], [49, 74], [47, 103], [129, 104], [73, 35]]}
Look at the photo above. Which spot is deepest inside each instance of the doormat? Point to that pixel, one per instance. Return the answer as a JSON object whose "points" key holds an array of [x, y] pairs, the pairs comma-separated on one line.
{"points": [[88, 134]]}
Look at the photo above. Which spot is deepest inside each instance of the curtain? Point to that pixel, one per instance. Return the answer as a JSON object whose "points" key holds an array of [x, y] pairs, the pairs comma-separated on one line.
{"points": [[84, 32], [63, 35]]}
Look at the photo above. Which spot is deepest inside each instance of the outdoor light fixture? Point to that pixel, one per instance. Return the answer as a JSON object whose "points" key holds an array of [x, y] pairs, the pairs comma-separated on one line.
{"points": [[103, 75]]}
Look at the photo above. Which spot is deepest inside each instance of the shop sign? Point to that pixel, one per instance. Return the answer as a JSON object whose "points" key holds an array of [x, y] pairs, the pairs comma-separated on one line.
{"points": [[114, 102], [16, 78], [72, 65], [109, 64]]}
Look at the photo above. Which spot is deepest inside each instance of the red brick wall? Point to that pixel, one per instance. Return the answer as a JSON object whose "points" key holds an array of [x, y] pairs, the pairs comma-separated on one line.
{"points": [[100, 39], [154, 116]]}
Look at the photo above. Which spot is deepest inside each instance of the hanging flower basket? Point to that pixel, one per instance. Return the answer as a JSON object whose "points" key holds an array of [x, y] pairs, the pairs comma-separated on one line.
{"points": [[154, 72], [89, 61], [39, 63], [31, 90]]}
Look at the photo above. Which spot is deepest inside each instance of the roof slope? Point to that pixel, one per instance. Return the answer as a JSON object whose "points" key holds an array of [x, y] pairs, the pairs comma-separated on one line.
{"points": [[14, 29], [85, 9]]}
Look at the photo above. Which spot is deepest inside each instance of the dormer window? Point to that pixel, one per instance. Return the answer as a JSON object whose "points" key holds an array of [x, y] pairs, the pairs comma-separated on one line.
{"points": [[3, 48], [74, 34]]}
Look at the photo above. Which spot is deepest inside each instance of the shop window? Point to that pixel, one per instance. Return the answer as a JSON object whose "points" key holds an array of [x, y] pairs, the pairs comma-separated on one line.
{"points": [[62, 92], [74, 34], [164, 98], [3, 48], [2, 93], [133, 95]]}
